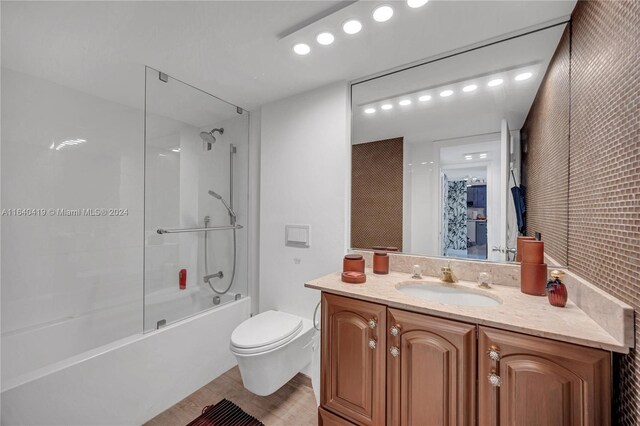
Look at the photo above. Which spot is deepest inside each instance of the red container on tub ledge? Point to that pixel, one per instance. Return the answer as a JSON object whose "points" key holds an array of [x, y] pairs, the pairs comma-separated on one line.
{"points": [[182, 278]]}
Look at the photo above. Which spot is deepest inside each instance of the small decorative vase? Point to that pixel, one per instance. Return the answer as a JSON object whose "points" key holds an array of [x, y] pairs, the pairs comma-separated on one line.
{"points": [[556, 290]]}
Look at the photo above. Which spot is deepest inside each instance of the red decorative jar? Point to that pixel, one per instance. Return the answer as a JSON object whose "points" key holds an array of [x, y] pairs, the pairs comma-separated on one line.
{"points": [[380, 263], [556, 290], [353, 262]]}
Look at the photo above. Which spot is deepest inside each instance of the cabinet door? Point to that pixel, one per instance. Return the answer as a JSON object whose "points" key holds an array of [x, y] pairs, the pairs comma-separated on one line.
{"points": [[353, 359], [430, 370], [541, 382]]}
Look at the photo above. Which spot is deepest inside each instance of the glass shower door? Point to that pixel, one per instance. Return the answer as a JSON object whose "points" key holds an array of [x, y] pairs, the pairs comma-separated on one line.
{"points": [[196, 191]]}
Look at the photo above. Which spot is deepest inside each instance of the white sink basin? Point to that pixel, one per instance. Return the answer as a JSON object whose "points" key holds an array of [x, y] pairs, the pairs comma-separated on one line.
{"points": [[448, 295]]}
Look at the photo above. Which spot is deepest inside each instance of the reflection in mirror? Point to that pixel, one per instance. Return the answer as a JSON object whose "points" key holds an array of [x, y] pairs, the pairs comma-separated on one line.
{"points": [[436, 151]]}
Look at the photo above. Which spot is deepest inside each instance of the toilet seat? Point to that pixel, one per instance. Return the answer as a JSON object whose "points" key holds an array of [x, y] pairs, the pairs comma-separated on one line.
{"points": [[264, 332]]}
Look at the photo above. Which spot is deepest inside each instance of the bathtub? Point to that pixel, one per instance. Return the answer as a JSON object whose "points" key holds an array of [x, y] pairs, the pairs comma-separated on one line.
{"points": [[128, 381], [169, 306]]}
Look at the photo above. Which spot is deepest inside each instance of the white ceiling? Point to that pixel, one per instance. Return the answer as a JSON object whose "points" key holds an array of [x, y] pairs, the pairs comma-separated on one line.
{"points": [[232, 48], [462, 114]]}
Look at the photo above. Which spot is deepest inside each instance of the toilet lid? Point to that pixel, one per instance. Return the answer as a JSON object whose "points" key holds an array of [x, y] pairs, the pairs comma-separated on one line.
{"points": [[266, 329]]}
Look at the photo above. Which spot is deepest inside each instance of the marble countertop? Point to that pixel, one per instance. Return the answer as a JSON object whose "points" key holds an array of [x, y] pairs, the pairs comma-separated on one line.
{"points": [[518, 312]]}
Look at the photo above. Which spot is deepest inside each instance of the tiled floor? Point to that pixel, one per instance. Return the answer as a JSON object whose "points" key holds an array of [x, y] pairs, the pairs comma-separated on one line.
{"points": [[292, 405]]}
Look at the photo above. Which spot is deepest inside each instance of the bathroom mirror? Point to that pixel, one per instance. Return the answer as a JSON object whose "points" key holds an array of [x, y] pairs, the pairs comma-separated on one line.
{"points": [[440, 151]]}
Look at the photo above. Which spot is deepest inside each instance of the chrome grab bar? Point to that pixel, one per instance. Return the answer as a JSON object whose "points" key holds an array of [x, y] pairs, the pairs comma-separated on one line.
{"points": [[211, 228]]}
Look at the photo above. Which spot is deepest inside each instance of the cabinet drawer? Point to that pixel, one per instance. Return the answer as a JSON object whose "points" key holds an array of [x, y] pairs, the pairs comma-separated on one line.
{"points": [[327, 418]]}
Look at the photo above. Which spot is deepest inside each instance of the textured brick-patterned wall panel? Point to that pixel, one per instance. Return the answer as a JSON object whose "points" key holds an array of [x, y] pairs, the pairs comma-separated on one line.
{"points": [[545, 143], [376, 194], [604, 184]]}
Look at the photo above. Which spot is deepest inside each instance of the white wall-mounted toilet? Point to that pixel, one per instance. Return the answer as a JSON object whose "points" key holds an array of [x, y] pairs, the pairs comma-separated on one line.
{"points": [[271, 348]]}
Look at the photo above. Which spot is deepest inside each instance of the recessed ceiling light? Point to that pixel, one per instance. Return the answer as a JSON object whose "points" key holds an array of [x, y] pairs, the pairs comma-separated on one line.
{"points": [[386, 106], [495, 82], [416, 3], [523, 76], [469, 88], [446, 93], [301, 49], [483, 155], [430, 162], [176, 150], [325, 38], [405, 102], [468, 157], [352, 26], [370, 110], [424, 98], [383, 13]]}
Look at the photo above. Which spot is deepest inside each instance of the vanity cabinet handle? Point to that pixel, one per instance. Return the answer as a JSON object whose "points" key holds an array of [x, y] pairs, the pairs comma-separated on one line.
{"points": [[394, 351], [372, 343], [373, 323], [494, 379], [494, 353], [395, 330]]}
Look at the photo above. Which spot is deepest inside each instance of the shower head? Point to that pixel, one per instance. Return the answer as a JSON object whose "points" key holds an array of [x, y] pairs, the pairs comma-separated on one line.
{"points": [[215, 195], [229, 209], [208, 139]]}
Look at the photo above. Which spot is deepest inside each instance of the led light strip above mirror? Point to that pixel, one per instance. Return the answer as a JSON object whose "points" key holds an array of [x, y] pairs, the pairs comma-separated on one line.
{"points": [[459, 89]]}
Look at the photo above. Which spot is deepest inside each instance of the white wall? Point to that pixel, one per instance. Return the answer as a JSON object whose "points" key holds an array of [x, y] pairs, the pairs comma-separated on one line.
{"points": [[305, 157], [54, 268]]}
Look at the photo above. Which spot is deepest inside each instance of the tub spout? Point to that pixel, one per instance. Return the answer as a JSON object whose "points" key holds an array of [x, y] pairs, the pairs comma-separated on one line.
{"points": [[219, 274]]}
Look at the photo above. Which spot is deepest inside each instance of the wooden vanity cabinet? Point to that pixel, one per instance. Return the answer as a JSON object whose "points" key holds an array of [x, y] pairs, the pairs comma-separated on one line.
{"points": [[352, 371], [525, 380], [388, 366], [430, 370]]}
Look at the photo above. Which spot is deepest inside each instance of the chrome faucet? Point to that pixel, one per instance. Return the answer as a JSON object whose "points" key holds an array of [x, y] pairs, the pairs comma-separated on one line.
{"points": [[447, 275], [219, 274], [417, 272]]}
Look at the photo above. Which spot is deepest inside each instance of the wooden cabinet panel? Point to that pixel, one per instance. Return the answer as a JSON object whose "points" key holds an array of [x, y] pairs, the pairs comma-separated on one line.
{"points": [[326, 418], [543, 382], [432, 379], [353, 359]]}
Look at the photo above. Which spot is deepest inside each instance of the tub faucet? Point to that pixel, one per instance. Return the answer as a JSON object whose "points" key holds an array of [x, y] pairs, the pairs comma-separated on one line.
{"points": [[218, 274]]}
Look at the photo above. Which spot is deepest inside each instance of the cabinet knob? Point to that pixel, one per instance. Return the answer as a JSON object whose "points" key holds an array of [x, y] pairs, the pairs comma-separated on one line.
{"points": [[394, 351], [494, 379], [372, 343], [373, 323], [494, 353], [395, 330]]}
